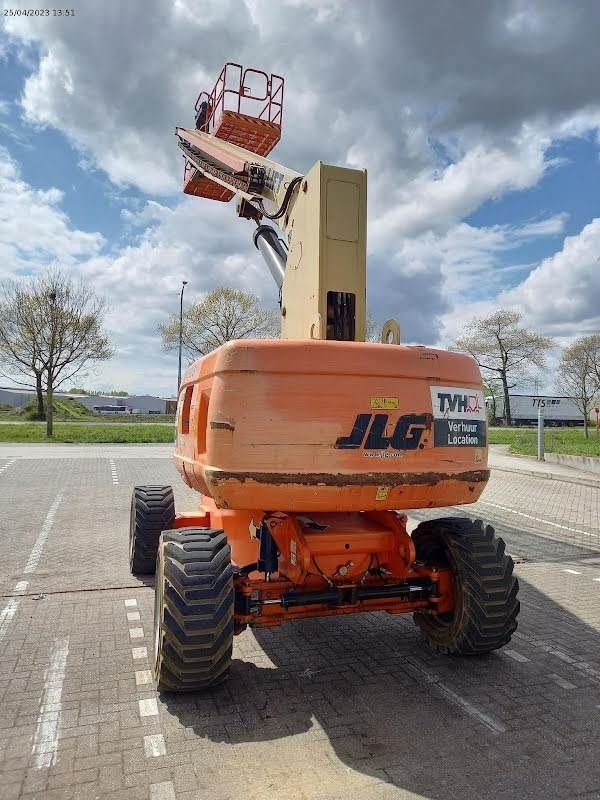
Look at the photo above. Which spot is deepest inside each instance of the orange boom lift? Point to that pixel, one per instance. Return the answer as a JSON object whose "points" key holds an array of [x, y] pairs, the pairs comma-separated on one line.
{"points": [[307, 449]]}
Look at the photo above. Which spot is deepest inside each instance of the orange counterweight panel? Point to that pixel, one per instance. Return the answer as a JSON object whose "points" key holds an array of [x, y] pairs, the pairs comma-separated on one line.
{"points": [[305, 425]]}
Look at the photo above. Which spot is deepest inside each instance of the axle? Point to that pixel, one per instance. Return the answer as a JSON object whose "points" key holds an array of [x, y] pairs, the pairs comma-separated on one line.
{"points": [[262, 603]]}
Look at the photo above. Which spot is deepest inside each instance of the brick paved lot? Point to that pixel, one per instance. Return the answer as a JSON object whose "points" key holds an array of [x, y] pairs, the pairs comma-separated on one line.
{"points": [[318, 709]]}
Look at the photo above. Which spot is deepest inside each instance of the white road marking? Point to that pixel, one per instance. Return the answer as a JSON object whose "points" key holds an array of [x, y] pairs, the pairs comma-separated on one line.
{"points": [[113, 472], [485, 719], [154, 745], [142, 677], [162, 791], [148, 707], [572, 571], [580, 666], [7, 614], [596, 579], [10, 609], [559, 654], [539, 519], [45, 742], [516, 656], [7, 465], [562, 682], [36, 553]]}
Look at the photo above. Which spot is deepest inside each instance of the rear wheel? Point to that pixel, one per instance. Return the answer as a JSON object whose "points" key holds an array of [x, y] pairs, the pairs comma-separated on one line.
{"points": [[485, 589], [152, 511], [193, 610]]}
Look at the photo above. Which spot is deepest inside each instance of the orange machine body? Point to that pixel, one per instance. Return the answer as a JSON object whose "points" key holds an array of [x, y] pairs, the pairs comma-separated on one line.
{"points": [[277, 425], [322, 443]]}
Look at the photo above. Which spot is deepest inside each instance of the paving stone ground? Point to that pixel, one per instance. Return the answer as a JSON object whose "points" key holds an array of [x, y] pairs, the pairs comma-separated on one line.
{"points": [[324, 709]]}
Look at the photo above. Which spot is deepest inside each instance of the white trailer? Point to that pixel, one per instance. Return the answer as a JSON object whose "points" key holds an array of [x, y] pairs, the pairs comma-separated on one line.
{"points": [[524, 409]]}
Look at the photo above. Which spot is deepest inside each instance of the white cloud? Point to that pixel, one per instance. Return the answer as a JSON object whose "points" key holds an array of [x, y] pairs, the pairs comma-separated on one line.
{"points": [[562, 295], [445, 110], [435, 203], [142, 282], [34, 230], [451, 276], [374, 85]]}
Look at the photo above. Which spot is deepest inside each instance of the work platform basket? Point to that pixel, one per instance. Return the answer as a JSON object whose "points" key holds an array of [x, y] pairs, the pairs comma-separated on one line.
{"points": [[245, 108]]}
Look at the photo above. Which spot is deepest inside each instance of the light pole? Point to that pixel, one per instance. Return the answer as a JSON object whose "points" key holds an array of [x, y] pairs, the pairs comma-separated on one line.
{"points": [[183, 285]]}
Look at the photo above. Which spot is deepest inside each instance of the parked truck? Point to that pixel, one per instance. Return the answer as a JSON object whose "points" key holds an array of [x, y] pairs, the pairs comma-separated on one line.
{"points": [[524, 410]]}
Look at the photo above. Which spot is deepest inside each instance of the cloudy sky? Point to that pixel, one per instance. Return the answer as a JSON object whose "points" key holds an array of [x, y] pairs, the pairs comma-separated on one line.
{"points": [[478, 123]]}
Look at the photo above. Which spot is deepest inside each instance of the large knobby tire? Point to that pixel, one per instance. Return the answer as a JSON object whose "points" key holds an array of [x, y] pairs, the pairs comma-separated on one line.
{"points": [[193, 610], [485, 589], [152, 511]]}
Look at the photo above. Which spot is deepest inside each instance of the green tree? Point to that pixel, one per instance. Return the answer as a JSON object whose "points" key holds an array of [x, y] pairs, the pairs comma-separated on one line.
{"points": [[223, 315]]}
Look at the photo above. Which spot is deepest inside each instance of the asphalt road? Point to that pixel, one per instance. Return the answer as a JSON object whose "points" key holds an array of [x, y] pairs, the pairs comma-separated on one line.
{"points": [[316, 710]]}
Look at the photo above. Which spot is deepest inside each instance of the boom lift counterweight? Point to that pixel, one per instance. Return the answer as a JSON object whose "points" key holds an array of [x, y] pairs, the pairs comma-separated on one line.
{"points": [[305, 448]]}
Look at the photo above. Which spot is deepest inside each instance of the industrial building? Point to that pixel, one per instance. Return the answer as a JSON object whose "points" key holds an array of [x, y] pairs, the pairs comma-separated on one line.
{"points": [[137, 403]]}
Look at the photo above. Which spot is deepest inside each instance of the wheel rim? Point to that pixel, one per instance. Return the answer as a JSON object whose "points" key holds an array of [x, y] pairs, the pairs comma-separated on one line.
{"points": [[442, 623]]}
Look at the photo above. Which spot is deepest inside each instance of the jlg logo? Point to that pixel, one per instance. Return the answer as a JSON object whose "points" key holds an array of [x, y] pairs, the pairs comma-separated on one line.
{"points": [[406, 436]]}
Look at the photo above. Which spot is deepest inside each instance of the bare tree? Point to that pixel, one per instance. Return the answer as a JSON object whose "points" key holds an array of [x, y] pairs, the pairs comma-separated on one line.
{"points": [[223, 315], [72, 335], [579, 374], [59, 320], [504, 349]]}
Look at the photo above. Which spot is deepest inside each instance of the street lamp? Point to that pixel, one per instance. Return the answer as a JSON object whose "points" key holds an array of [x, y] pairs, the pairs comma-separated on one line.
{"points": [[183, 285]]}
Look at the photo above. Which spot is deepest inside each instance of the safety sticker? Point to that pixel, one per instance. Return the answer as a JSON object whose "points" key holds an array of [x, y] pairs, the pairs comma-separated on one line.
{"points": [[386, 403]]}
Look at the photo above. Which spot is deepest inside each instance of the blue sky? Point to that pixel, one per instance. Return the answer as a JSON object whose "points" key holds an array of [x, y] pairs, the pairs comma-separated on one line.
{"points": [[570, 188], [481, 149], [47, 159]]}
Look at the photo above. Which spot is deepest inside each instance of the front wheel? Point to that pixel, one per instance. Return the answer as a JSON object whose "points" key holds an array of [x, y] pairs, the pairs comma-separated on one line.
{"points": [[193, 610], [485, 590]]}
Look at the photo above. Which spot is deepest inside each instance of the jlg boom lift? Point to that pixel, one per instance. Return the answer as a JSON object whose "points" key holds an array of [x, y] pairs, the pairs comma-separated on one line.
{"points": [[307, 449]]}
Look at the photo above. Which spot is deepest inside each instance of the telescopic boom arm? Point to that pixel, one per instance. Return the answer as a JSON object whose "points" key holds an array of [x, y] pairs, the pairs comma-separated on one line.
{"points": [[323, 214]]}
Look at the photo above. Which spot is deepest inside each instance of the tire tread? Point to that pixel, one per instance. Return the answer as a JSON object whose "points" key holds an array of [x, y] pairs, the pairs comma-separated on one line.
{"points": [[197, 624], [483, 575], [152, 511]]}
